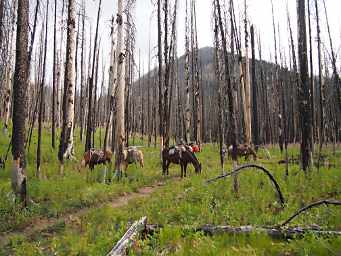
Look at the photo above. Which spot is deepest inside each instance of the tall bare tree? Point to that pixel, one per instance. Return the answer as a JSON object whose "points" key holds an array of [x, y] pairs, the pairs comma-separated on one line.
{"points": [[232, 127], [187, 105], [42, 94], [19, 177], [66, 138], [159, 21], [90, 122], [119, 82], [54, 85], [303, 90], [320, 83], [247, 87]]}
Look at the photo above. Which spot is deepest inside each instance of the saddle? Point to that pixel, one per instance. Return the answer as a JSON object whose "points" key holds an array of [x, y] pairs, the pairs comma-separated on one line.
{"points": [[131, 156], [96, 155], [177, 149]]}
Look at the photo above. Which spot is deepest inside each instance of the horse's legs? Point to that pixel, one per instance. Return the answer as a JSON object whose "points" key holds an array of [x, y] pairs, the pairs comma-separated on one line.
{"points": [[167, 167], [247, 157], [125, 167], [182, 170], [185, 169], [164, 167]]}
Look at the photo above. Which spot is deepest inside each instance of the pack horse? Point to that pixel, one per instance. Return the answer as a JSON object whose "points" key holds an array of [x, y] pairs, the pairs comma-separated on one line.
{"points": [[179, 155]]}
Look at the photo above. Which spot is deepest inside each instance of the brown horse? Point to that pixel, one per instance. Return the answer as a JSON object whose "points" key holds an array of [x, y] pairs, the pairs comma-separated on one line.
{"points": [[132, 155], [243, 150], [94, 157], [179, 155]]}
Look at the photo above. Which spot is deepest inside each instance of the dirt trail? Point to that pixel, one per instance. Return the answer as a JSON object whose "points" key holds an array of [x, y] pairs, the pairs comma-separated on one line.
{"points": [[45, 224]]}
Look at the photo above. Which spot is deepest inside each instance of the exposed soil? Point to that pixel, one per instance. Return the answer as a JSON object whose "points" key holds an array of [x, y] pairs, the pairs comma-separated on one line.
{"points": [[44, 224]]}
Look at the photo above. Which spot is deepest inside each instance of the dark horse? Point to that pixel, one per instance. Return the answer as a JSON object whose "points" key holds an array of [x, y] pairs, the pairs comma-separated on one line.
{"points": [[94, 157], [179, 155]]}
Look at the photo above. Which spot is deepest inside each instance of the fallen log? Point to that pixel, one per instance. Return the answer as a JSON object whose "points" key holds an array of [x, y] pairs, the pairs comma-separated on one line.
{"points": [[258, 167], [124, 243], [273, 232], [277, 233], [312, 205]]}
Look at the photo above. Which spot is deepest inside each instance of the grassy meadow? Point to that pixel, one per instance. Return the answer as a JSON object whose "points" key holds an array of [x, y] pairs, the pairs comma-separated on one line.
{"points": [[178, 205]]}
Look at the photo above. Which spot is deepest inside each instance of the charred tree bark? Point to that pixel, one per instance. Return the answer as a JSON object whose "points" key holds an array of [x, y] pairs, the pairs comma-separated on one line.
{"points": [[232, 127], [82, 89], [337, 80], [90, 122], [161, 131], [303, 90], [54, 77], [41, 104], [19, 178], [320, 82], [187, 111], [312, 90], [254, 123], [247, 82]]}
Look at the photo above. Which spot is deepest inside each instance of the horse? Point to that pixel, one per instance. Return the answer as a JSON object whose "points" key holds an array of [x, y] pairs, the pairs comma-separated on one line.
{"points": [[179, 155], [132, 155], [243, 150], [94, 157], [195, 148]]}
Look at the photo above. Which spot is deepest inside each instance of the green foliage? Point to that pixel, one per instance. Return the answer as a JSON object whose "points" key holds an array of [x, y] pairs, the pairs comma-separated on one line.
{"points": [[178, 205]]}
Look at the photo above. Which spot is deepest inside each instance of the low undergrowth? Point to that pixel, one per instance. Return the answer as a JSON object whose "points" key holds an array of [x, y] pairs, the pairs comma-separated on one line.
{"points": [[177, 205]]}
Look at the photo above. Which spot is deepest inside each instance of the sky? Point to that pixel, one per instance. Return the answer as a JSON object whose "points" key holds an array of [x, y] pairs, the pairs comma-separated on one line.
{"points": [[259, 14]]}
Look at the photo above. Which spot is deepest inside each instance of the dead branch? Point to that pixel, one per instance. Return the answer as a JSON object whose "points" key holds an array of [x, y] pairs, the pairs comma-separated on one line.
{"points": [[277, 233], [258, 167], [122, 245], [312, 205], [273, 232]]}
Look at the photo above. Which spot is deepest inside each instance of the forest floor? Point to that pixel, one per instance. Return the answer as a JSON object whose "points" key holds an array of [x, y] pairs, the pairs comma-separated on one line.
{"points": [[73, 216]]}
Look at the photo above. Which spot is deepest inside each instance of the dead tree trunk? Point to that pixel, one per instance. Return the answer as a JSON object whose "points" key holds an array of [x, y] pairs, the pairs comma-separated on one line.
{"points": [[232, 127], [41, 104], [303, 90], [320, 82], [82, 89], [188, 114], [54, 76], [196, 82], [159, 3], [90, 122], [120, 88], [19, 178], [123, 244], [336, 77], [312, 90], [9, 78], [254, 123], [217, 61], [66, 138], [247, 87]]}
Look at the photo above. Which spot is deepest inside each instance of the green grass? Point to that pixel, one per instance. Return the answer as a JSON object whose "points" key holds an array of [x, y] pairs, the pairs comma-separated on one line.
{"points": [[177, 205], [57, 194]]}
